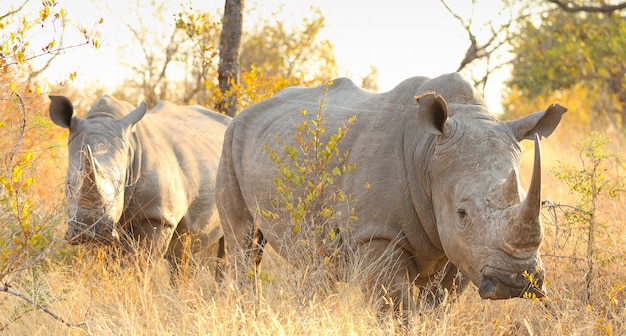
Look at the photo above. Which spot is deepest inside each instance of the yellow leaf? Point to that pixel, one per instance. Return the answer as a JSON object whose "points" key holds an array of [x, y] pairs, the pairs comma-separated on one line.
{"points": [[13, 87]]}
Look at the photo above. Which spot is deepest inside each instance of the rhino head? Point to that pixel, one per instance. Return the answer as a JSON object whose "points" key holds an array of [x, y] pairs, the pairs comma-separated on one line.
{"points": [[97, 172], [487, 225]]}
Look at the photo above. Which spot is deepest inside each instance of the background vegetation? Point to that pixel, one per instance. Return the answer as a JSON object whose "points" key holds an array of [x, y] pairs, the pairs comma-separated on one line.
{"points": [[559, 51]]}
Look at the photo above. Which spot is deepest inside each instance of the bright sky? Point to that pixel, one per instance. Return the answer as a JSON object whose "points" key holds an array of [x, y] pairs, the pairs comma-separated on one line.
{"points": [[401, 38]]}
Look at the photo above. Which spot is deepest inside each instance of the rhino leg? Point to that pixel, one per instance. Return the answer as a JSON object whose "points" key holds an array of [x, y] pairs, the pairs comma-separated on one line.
{"points": [[188, 248], [178, 250], [449, 283], [391, 283], [152, 236], [244, 244]]}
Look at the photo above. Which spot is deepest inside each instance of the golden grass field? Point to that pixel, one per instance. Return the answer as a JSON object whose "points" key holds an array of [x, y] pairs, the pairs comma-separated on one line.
{"points": [[97, 295]]}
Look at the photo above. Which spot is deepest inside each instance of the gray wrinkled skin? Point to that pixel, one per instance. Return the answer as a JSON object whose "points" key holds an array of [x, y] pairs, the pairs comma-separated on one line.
{"points": [[141, 177], [445, 194]]}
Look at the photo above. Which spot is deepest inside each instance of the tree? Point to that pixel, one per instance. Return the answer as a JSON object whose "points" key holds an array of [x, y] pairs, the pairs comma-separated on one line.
{"points": [[488, 40], [567, 49], [230, 43], [370, 81], [602, 7], [295, 53], [161, 68], [184, 67]]}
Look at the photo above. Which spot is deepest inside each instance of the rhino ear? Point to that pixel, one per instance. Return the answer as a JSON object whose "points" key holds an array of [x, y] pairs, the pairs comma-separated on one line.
{"points": [[542, 123], [61, 111], [432, 113], [133, 117]]}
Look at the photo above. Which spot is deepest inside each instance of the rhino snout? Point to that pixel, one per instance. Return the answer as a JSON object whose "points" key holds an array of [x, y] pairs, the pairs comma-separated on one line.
{"points": [[79, 233], [497, 285]]}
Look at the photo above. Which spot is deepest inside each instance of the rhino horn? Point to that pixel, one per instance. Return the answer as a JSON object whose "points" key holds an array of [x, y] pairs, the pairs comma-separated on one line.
{"points": [[89, 186], [527, 232], [507, 194]]}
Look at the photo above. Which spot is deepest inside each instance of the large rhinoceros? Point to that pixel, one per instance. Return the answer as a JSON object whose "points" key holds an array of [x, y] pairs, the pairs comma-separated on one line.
{"points": [[141, 178], [443, 175]]}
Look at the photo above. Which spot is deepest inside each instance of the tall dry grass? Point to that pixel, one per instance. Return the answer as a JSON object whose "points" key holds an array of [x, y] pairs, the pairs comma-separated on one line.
{"points": [[105, 296], [100, 295]]}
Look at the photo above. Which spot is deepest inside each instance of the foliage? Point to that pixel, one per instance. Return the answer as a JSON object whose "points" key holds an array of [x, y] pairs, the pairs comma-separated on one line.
{"points": [[20, 237], [290, 53], [27, 209], [318, 211], [567, 50], [591, 183], [255, 86], [19, 49], [202, 29]]}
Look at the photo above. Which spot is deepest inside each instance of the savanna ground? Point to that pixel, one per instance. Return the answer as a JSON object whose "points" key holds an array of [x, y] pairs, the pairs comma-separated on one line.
{"points": [[94, 294]]}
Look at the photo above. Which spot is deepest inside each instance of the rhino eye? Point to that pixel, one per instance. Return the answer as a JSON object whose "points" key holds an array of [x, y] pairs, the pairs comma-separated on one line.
{"points": [[462, 213]]}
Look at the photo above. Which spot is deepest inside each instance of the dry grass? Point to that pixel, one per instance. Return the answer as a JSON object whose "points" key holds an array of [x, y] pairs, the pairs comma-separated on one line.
{"points": [[112, 297]]}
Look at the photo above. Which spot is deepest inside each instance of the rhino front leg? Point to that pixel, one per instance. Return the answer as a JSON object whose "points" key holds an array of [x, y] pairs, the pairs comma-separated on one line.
{"points": [[153, 236], [392, 277]]}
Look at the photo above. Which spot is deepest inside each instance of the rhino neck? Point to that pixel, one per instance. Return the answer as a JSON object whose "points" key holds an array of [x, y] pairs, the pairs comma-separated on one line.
{"points": [[418, 148]]}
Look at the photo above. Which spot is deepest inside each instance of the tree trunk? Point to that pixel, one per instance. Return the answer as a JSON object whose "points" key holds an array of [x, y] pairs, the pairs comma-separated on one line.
{"points": [[230, 41]]}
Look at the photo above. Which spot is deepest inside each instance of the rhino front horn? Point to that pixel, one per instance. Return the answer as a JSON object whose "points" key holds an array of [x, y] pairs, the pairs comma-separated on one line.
{"points": [[527, 231], [89, 187]]}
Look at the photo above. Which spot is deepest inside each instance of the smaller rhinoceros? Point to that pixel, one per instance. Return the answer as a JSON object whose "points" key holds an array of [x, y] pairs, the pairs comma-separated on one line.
{"points": [[141, 178]]}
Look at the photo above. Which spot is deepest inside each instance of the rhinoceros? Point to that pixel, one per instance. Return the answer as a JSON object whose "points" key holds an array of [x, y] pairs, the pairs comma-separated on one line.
{"points": [[137, 178], [437, 179]]}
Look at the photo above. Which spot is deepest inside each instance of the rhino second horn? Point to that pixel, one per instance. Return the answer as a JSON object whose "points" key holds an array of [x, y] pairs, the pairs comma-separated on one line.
{"points": [[527, 231], [508, 193]]}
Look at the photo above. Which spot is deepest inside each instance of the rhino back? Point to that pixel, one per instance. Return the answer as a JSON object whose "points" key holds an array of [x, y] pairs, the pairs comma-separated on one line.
{"points": [[180, 149]]}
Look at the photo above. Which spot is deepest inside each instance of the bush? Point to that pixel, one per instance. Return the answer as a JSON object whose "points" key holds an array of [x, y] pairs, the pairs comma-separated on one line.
{"points": [[583, 234]]}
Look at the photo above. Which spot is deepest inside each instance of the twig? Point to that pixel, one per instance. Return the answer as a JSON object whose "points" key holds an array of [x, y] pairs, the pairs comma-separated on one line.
{"points": [[550, 204], [6, 288], [568, 6], [20, 137]]}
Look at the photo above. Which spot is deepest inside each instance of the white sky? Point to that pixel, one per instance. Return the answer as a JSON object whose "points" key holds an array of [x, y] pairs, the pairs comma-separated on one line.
{"points": [[402, 38]]}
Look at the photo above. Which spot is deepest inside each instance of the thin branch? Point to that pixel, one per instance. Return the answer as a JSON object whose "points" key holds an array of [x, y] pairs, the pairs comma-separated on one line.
{"points": [[53, 52], [568, 6], [6, 288], [20, 136], [13, 12], [550, 204]]}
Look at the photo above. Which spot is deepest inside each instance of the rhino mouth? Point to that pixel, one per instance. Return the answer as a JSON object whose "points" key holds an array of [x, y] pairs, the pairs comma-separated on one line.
{"points": [[497, 284], [78, 234]]}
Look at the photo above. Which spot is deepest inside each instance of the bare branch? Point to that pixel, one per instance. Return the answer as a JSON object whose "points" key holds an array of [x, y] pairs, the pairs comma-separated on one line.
{"points": [[15, 11], [7, 289], [569, 6], [20, 136]]}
